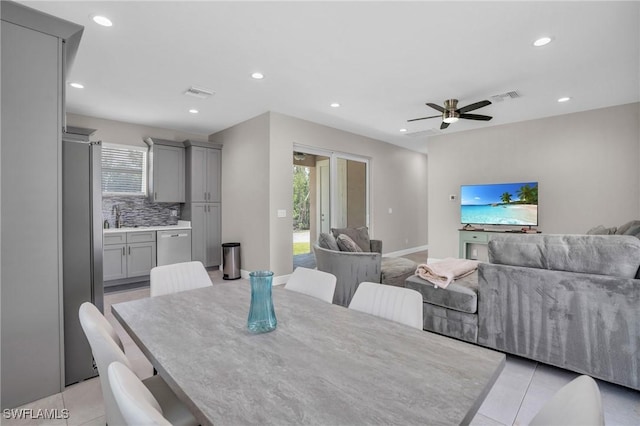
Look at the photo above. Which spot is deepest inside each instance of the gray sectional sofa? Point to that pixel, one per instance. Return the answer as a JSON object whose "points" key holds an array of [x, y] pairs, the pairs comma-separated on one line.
{"points": [[572, 301]]}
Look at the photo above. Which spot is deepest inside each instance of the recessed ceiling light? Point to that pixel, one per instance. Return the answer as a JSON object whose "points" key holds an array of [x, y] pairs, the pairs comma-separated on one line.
{"points": [[194, 111], [564, 99], [403, 130], [542, 41], [102, 20], [257, 75], [335, 105], [76, 85]]}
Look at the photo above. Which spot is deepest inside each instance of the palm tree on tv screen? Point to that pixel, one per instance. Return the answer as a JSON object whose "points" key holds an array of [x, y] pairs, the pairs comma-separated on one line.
{"points": [[528, 194], [506, 198]]}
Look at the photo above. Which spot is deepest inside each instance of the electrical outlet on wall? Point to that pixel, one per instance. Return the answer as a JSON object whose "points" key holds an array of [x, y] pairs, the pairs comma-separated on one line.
{"points": [[174, 213]]}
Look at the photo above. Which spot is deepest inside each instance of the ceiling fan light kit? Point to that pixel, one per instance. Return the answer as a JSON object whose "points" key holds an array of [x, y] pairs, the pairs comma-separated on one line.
{"points": [[451, 113]]}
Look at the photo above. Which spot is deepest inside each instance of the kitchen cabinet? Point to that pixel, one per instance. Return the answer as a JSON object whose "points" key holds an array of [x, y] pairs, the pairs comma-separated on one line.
{"points": [[205, 239], [165, 171], [114, 261], [203, 167], [128, 254], [141, 258], [203, 171]]}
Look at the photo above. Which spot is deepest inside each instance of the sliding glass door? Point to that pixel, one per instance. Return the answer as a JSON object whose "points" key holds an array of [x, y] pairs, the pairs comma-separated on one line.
{"points": [[338, 190]]}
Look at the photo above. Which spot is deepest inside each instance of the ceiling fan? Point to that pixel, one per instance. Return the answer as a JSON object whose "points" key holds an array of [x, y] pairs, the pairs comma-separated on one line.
{"points": [[451, 114]]}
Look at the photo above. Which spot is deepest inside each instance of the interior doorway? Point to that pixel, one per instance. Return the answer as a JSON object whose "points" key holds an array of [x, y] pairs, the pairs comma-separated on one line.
{"points": [[330, 190]]}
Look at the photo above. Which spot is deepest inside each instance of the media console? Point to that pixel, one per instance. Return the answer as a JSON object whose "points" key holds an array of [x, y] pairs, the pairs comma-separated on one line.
{"points": [[482, 236]]}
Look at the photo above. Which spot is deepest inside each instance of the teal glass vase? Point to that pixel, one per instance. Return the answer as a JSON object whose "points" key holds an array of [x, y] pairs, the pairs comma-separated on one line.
{"points": [[262, 316]]}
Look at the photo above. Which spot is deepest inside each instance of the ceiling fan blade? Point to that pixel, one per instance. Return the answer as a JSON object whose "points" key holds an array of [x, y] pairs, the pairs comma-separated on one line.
{"points": [[444, 125], [474, 106], [424, 118], [476, 117], [436, 107]]}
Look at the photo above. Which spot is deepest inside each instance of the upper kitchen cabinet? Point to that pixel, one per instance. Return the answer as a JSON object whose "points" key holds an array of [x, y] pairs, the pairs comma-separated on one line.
{"points": [[166, 168], [203, 171]]}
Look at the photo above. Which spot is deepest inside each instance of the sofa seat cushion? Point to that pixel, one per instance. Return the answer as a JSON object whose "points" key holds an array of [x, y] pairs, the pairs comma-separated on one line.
{"points": [[460, 325], [395, 270], [461, 295], [612, 255]]}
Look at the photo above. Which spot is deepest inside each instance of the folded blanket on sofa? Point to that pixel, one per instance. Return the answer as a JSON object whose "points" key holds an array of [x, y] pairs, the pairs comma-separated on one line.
{"points": [[442, 273]]}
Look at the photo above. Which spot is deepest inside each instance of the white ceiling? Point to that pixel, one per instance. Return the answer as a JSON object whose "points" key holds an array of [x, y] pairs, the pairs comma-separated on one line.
{"points": [[380, 60]]}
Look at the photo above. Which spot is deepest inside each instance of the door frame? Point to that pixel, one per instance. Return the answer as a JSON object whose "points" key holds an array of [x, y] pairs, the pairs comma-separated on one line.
{"points": [[333, 178]]}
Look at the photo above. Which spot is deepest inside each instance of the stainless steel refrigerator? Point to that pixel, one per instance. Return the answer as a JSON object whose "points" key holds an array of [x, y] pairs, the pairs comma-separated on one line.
{"points": [[81, 245]]}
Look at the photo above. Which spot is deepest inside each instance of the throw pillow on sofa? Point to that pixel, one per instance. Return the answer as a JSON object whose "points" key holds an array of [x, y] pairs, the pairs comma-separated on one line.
{"points": [[328, 241], [628, 228], [601, 230], [359, 235], [347, 244]]}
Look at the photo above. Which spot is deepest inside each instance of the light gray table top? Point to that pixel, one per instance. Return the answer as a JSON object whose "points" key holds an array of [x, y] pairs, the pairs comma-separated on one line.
{"points": [[324, 364]]}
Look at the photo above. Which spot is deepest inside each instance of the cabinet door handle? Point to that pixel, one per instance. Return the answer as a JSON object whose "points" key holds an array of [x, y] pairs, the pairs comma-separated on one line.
{"points": [[129, 250], [123, 252]]}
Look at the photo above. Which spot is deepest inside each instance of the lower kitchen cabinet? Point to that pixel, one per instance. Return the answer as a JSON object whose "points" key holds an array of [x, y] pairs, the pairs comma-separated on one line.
{"points": [[135, 258], [114, 262], [205, 235], [141, 258]]}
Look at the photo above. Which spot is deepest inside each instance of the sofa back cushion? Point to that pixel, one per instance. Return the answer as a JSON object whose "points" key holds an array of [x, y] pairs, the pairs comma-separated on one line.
{"points": [[614, 255], [359, 235]]}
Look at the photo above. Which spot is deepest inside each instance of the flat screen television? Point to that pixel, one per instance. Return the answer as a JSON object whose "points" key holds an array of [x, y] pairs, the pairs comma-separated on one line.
{"points": [[500, 204]]}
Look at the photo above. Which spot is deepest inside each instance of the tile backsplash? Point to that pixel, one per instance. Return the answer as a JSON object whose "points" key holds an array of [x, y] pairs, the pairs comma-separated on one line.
{"points": [[138, 211]]}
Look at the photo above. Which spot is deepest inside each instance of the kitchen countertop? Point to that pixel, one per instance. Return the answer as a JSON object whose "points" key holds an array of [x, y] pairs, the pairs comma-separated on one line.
{"points": [[182, 224]]}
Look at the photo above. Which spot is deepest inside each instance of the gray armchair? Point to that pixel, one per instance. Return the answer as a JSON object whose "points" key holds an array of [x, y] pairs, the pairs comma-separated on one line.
{"points": [[350, 269]]}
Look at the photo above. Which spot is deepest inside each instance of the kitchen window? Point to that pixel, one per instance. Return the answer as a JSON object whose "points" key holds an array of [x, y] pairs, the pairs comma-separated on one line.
{"points": [[124, 170]]}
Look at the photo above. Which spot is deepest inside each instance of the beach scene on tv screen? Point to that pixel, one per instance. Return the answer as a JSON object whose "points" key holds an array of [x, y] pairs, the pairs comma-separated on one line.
{"points": [[500, 204]]}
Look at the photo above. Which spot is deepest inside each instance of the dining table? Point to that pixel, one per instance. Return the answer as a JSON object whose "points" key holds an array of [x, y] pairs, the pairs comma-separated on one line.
{"points": [[324, 364]]}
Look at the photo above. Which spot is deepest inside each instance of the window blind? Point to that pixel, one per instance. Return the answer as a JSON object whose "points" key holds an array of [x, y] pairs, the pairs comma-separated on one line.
{"points": [[123, 170]]}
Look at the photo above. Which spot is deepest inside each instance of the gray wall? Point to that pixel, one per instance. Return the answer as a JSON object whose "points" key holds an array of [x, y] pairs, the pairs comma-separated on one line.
{"points": [[587, 166], [257, 181], [245, 190]]}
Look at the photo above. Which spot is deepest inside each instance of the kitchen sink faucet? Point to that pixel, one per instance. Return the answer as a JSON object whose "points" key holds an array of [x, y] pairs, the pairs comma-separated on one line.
{"points": [[116, 209]]}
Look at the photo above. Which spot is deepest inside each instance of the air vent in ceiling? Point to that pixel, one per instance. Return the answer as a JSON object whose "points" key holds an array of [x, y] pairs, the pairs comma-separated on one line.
{"points": [[505, 96], [199, 93]]}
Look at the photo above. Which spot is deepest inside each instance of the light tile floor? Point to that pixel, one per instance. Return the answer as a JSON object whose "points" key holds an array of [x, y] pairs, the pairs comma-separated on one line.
{"points": [[517, 395]]}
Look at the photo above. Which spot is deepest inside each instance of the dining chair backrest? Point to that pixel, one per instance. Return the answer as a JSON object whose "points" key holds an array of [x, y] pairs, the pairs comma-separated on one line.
{"points": [[312, 282], [397, 304], [576, 403], [177, 277], [134, 401], [105, 351]]}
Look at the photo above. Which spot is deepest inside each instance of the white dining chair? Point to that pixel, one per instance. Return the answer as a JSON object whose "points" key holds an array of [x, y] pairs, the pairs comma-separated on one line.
{"points": [[313, 283], [576, 403], [398, 304], [177, 277], [136, 404], [105, 350]]}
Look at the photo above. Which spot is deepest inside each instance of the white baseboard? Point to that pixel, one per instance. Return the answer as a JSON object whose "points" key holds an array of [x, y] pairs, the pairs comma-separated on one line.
{"points": [[406, 251]]}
